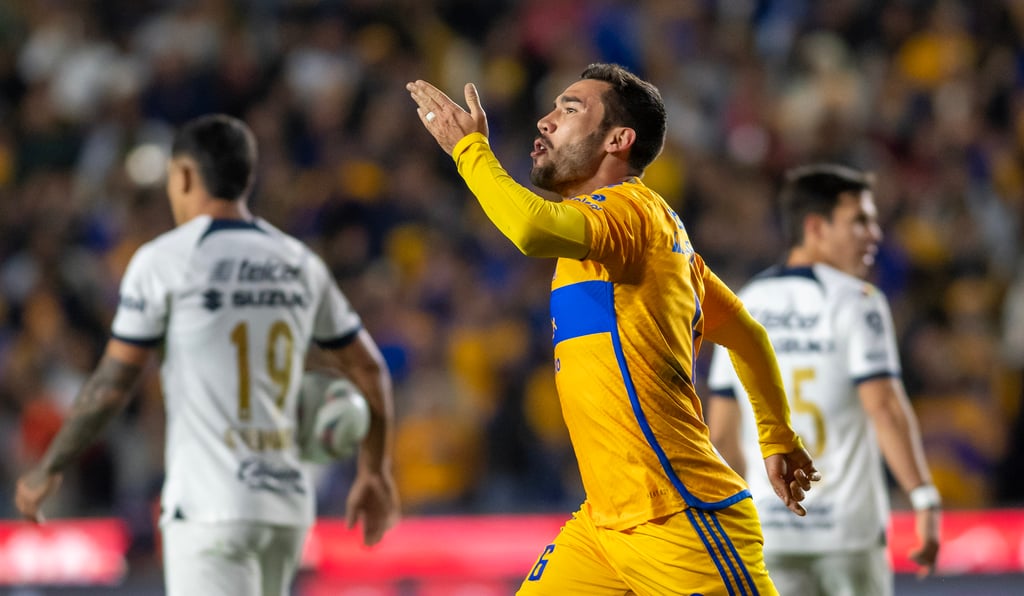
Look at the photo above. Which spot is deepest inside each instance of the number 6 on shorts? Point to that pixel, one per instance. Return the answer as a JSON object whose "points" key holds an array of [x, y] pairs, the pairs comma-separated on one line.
{"points": [[542, 562]]}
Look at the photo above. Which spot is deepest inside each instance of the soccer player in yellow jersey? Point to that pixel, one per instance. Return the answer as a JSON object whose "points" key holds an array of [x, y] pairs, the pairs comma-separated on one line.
{"points": [[631, 302]]}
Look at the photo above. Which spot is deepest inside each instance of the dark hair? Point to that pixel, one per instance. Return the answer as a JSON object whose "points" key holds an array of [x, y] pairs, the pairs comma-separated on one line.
{"points": [[225, 150], [815, 189], [636, 104]]}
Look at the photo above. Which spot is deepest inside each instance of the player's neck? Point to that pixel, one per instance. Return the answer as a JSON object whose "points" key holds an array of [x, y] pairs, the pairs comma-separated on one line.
{"points": [[591, 185], [219, 209], [611, 171], [801, 257]]}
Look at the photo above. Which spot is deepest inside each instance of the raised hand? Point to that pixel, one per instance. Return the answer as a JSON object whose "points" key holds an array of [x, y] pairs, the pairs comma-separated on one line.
{"points": [[445, 119]]}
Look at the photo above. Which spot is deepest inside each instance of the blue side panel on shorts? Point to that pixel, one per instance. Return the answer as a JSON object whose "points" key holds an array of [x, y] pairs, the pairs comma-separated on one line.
{"points": [[732, 549], [720, 548]]}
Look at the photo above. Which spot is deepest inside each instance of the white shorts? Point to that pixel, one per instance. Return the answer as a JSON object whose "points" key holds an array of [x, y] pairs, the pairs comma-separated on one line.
{"points": [[856, 573], [230, 558]]}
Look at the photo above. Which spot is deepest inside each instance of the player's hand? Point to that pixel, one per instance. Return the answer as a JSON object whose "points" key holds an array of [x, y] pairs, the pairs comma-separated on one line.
{"points": [[791, 475], [445, 119], [372, 501], [927, 552], [33, 488]]}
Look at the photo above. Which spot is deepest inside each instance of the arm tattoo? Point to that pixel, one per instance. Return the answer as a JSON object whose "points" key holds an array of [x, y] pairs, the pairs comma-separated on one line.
{"points": [[99, 400]]}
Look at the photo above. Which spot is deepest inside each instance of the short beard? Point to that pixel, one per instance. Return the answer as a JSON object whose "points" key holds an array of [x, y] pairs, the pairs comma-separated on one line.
{"points": [[578, 163]]}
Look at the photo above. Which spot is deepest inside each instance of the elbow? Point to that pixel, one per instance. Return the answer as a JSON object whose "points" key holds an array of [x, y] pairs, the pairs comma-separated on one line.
{"points": [[538, 243], [530, 244], [758, 331], [373, 370]]}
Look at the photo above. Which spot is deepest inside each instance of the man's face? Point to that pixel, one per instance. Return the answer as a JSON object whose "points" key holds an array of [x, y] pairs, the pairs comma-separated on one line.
{"points": [[569, 147], [849, 241]]}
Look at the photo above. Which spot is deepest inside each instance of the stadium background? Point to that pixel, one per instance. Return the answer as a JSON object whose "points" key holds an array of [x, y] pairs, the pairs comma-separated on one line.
{"points": [[928, 94]]}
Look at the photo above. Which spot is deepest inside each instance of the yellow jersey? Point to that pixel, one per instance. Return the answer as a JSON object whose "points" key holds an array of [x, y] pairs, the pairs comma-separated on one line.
{"points": [[628, 312], [627, 324]]}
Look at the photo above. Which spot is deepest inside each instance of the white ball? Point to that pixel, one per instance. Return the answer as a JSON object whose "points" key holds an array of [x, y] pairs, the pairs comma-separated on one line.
{"points": [[336, 421]]}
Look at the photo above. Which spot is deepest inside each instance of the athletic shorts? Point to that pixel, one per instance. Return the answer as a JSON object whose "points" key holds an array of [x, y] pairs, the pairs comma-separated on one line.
{"points": [[230, 558], [694, 552], [833, 574]]}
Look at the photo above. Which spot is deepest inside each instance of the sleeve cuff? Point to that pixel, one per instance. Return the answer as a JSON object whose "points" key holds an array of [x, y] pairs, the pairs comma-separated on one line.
{"points": [[768, 449], [335, 343], [465, 142]]}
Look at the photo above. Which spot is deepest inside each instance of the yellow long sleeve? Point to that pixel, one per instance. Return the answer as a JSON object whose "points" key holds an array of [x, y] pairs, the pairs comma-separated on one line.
{"points": [[538, 227], [753, 358]]}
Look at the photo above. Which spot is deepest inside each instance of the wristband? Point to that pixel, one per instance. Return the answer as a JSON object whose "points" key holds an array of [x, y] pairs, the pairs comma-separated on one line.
{"points": [[924, 497]]}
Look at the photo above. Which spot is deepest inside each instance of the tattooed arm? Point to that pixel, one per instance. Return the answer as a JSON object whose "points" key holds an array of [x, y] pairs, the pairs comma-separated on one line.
{"points": [[101, 398]]}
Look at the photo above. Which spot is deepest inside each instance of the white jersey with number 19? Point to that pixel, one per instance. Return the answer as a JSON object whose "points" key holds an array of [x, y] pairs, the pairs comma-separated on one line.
{"points": [[235, 305], [830, 331]]}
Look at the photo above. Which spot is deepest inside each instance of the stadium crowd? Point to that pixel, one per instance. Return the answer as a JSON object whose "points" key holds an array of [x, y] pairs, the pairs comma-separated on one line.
{"points": [[928, 94]]}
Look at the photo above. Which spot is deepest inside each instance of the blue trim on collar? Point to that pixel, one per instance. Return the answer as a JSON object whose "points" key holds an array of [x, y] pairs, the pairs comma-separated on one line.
{"points": [[219, 225], [805, 271], [775, 271]]}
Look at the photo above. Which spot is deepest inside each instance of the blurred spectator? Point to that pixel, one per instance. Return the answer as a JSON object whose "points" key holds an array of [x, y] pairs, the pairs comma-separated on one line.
{"points": [[928, 93]]}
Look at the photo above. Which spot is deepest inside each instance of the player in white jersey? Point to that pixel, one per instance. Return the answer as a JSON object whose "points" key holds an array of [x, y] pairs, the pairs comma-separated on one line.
{"points": [[834, 338], [235, 304]]}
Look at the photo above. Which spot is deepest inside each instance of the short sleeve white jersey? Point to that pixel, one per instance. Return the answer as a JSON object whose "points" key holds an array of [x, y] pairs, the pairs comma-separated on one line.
{"points": [[830, 331], [235, 305]]}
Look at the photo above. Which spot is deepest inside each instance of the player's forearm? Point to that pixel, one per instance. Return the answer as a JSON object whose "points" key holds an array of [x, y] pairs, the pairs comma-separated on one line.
{"points": [[102, 397], [753, 357], [724, 427], [730, 451], [538, 227], [900, 441], [364, 364], [375, 451]]}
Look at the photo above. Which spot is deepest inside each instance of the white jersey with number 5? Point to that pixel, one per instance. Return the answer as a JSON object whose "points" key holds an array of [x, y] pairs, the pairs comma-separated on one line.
{"points": [[234, 305], [831, 331]]}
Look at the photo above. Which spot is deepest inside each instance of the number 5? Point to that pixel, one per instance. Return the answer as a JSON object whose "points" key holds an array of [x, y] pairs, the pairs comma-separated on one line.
{"points": [[802, 406]]}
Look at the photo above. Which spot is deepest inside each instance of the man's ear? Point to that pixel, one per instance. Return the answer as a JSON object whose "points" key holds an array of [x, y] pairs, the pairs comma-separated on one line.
{"points": [[188, 177], [180, 175], [814, 225], [621, 139]]}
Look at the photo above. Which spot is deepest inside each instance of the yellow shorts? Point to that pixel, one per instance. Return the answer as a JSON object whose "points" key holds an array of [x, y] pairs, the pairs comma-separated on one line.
{"points": [[693, 553]]}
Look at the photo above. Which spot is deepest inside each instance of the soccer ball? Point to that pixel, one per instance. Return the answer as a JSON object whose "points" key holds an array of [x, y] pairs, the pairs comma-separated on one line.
{"points": [[333, 417]]}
